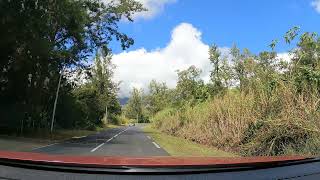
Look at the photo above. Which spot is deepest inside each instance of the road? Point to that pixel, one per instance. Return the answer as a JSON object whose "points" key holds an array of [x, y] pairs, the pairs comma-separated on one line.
{"points": [[123, 141]]}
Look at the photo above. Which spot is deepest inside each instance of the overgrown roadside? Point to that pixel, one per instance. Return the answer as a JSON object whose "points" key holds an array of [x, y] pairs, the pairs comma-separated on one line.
{"points": [[255, 104], [177, 146]]}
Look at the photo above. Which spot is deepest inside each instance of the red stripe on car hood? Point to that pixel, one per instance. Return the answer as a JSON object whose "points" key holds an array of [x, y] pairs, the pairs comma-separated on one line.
{"points": [[141, 161]]}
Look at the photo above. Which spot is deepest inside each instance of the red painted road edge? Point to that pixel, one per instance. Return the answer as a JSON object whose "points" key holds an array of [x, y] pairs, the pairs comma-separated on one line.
{"points": [[139, 161]]}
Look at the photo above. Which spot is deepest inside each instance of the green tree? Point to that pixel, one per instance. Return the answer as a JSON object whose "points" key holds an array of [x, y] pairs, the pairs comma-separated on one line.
{"points": [[216, 72], [40, 39], [190, 87], [88, 106], [107, 89], [243, 66], [238, 66], [99, 93], [158, 97], [134, 107], [305, 68]]}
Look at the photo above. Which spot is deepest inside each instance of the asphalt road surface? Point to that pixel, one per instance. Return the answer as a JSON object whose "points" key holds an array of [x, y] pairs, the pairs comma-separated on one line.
{"points": [[123, 141]]}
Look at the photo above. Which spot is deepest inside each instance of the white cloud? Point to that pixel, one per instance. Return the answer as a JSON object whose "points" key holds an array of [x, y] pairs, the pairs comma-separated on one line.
{"points": [[316, 5], [137, 68], [284, 56], [154, 8]]}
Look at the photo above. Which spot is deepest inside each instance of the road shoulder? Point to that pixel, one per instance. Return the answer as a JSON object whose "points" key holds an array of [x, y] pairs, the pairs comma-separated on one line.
{"points": [[43, 139], [177, 146]]}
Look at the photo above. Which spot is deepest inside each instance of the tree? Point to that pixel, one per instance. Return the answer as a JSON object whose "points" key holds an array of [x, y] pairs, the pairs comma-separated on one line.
{"points": [[238, 66], [190, 87], [305, 68], [214, 57], [158, 97], [99, 93], [220, 74], [56, 35], [89, 107], [101, 79], [134, 107], [243, 64]]}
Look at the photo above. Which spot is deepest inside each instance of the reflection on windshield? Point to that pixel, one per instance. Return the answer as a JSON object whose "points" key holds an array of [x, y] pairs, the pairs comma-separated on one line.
{"points": [[73, 83]]}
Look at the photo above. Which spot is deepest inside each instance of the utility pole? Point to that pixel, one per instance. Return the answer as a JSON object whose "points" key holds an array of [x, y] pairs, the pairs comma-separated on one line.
{"points": [[137, 118], [21, 130], [107, 114], [55, 103]]}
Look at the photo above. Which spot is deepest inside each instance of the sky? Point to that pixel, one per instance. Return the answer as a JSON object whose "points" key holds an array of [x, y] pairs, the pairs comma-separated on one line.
{"points": [[175, 34]]}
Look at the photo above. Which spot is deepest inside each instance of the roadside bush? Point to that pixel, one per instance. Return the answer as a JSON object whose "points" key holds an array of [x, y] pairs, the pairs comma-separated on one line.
{"points": [[122, 120], [294, 129], [274, 109], [251, 124], [167, 121], [220, 122]]}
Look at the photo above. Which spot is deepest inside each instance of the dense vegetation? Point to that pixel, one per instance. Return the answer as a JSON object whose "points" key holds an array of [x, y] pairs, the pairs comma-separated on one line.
{"points": [[254, 104], [42, 41]]}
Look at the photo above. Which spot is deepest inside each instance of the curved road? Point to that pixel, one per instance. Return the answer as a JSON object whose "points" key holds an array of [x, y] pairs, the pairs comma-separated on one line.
{"points": [[123, 141]]}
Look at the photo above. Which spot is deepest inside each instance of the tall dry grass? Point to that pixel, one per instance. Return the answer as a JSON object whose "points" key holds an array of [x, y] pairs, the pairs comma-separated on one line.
{"points": [[255, 123], [290, 123], [221, 122]]}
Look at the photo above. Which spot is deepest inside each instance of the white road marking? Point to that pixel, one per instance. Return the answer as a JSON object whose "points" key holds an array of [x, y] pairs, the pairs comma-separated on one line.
{"points": [[148, 137], [94, 149], [44, 146], [155, 144], [78, 137]]}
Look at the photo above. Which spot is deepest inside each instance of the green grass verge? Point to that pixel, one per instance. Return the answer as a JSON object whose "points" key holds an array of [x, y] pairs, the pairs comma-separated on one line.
{"points": [[177, 146]]}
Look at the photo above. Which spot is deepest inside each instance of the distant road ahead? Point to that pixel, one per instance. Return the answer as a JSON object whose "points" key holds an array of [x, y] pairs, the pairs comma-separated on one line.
{"points": [[123, 141]]}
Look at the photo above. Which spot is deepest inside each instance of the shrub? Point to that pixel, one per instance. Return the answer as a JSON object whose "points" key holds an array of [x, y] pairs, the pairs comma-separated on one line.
{"points": [[123, 120], [259, 123], [220, 122], [294, 127]]}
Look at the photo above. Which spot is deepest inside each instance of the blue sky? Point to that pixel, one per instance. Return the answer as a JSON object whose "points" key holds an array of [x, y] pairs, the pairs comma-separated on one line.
{"points": [[175, 34], [249, 23]]}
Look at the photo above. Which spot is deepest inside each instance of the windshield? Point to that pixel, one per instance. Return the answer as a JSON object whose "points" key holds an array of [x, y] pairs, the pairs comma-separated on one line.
{"points": [[149, 78]]}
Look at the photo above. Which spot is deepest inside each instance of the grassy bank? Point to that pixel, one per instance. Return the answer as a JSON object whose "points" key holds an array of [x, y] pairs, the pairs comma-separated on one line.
{"points": [[256, 124], [177, 146]]}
